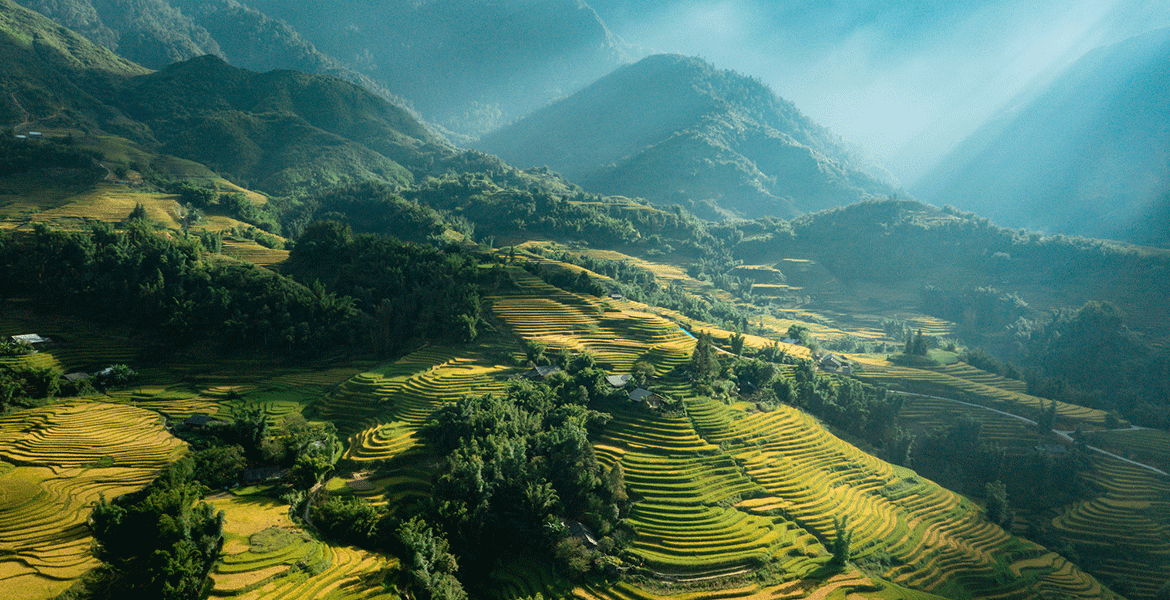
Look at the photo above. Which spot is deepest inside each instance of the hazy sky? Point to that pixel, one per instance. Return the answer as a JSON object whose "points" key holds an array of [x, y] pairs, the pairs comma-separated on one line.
{"points": [[905, 79]]}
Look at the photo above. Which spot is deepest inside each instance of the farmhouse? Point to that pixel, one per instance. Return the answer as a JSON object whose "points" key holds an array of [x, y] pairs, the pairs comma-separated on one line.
{"points": [[580, 531], [76, 377], [542, 372], [615, 296], [836, 364], [262, 474], [618, 381], [644, 396], [1053, 449], [31, 339]]}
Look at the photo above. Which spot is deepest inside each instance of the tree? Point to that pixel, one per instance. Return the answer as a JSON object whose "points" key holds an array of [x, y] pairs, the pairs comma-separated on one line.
{"points": [[842, 542], [431, 566], [219, 466], [998, 509], [1047, 418], [120, 375], [251, 429], [138, 214], [916, 345], [704, 364], [737, 340]]}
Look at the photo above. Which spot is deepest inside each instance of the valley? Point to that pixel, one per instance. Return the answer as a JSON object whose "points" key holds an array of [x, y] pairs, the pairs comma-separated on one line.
{"points": [[274, 336]]}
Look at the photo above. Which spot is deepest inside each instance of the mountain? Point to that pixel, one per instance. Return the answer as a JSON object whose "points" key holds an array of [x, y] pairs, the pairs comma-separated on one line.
{"points": [[674, 129], [1088, 155], [278, 131], [275, 131], [157, 33], [468, 66]]}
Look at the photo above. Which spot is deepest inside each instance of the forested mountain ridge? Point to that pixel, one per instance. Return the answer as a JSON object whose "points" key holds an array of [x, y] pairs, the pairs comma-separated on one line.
{"points": [[467, 66], [1087, 155], [277, 131], [676, 130], [156, 33]]}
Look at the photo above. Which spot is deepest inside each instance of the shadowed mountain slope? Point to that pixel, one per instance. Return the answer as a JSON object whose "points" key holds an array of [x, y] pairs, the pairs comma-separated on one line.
{"points": [[673, 129], [1089, 155], [276, 131]]}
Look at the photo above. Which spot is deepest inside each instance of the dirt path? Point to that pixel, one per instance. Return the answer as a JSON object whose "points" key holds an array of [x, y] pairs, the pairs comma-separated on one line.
{"points": [[1067, 435], [24, 122]]}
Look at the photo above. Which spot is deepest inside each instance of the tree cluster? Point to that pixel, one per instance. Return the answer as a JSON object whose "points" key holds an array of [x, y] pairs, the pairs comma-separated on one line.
{"points": [[406, 290], [520, 470], [956, 456], [163, 281], [160, 543]]}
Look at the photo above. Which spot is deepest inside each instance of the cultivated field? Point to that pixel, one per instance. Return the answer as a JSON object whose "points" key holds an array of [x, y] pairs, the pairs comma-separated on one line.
{"points": [[56, 462]]}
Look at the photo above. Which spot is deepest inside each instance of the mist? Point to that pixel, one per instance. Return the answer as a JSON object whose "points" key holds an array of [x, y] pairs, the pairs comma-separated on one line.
{"points": [[904, 80]]}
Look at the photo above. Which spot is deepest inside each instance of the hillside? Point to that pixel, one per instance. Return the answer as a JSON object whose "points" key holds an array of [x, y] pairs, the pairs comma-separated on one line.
{"points": [[275, 131], [157, 33], [1087, 155], [468, 66], [410, 371], [279, 131], [676, 130]]}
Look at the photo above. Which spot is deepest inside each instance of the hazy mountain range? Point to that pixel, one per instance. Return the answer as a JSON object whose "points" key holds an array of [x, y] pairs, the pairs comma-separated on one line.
{"points": [[1084, 154], [1088, 155]]}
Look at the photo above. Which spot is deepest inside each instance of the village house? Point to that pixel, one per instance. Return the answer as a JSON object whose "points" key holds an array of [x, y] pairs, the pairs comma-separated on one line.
{"points": [[581, 531], [835, 364], [199, 421], [77, 377], [618, 381], [644, 396], [31, 339], [542, 372]]}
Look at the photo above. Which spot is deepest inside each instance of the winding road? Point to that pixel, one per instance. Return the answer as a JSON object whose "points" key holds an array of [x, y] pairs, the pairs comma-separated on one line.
{"points": [[1067, 435]]}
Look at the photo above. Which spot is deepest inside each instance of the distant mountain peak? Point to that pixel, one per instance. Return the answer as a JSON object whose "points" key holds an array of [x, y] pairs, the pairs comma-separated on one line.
{"points": [[675, 129]]}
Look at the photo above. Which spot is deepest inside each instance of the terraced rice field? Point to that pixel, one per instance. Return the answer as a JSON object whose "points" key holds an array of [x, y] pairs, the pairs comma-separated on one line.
{"points": [[104, 202], [727, 489], [57, 461], [382, 410], [175, 403], [525, 577], [250, 251], [938, 541], [851, 585], [928, 414], [1129, 525], [1151, 446], [617, 338], [268, 558], [962, 382], [686, 524], [79, 345]]}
